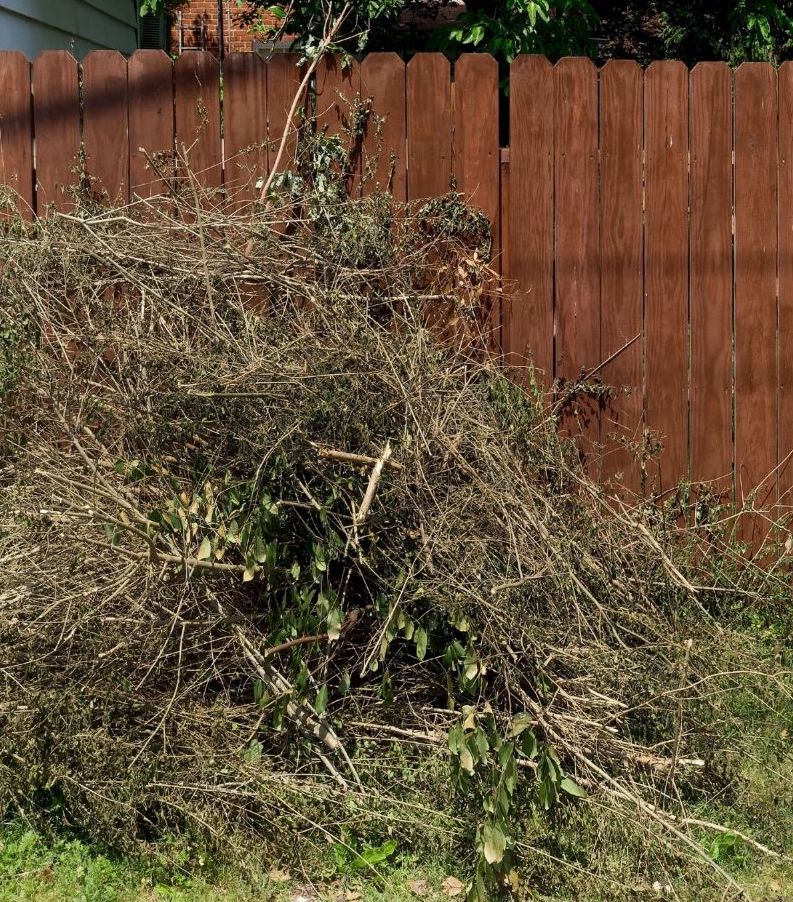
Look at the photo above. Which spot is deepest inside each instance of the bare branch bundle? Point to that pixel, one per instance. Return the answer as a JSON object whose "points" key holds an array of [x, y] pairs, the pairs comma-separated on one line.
{"points": [[179, 501]]}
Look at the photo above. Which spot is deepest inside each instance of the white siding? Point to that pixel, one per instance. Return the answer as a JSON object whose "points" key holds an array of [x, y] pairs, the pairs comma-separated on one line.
{"points": [[75, 25]]}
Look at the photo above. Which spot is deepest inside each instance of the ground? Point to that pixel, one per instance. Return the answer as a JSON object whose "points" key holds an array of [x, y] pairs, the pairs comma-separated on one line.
{"points": [[68, 870]]}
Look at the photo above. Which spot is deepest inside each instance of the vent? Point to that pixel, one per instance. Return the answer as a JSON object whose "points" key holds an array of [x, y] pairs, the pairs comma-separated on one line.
{"points": [[153, 32]]}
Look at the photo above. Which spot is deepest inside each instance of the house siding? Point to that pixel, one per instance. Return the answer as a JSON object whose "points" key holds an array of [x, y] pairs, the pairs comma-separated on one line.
{"points": [[78, 26]]}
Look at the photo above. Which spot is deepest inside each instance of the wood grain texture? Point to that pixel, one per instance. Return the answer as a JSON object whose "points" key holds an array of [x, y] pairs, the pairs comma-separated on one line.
{"points": [[56, 124], [151, 123], [244, 126], [105, 126], [785, 76], [283, 80], [755, 287], [577, 223], [666, 270], [502, 263], [528, 315], [338, 99], [429, 126], [197, 116], [476, 157], [621, 269], [383, 81], [16, 134], [711, 277]]}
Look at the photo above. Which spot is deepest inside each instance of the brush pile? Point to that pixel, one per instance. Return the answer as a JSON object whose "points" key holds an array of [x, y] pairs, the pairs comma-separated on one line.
{"points": [[269, 512]]}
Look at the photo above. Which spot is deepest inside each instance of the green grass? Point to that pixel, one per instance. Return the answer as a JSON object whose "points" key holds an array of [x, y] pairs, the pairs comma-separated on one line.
{"points": [[69, 870]]}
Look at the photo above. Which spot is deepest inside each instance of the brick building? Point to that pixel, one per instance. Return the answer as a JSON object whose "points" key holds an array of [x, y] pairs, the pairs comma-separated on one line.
{"points": [[194, 26]]}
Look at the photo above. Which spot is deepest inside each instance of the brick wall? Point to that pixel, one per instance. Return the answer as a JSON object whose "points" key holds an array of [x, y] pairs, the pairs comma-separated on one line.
{"points": [[195, 24]]}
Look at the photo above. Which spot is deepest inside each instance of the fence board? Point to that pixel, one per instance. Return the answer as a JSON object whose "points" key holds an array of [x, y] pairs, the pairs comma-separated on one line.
{"points": [[577, 302], [105, 125], [503, 261], [337, 97], [755, 287], [476, 155], [528, 316], [666, 269], [283, 82], [56, 120], [621, 268], [197, 116], [383, 79], [244, 125], [16, 132], [151, 125], [785, 77], [429, 126], [585, 232], [711, 276]]}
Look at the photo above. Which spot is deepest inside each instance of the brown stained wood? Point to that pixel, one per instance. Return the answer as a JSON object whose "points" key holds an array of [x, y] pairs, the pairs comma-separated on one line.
{"points": [[151, 123], [56, 124], [528, 304], [711, 277], [105, 131], [577, 302], [429, 126], [621, 269], [283, 81], [755, 289], [197, 116], [785, 76], [476, 155], [383, 81], [338, 110], [666, 271], [16, 134], [245, 126]]}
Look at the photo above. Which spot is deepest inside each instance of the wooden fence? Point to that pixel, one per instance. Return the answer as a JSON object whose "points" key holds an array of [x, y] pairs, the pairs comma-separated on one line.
{"points": [[643, 219]]}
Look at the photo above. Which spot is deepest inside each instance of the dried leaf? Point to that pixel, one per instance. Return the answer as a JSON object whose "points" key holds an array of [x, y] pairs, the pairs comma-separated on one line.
{"points": [[453, 887]]}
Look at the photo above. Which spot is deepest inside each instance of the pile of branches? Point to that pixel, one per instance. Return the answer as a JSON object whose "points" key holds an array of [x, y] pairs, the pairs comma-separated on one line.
{"points": [[266, 500]]}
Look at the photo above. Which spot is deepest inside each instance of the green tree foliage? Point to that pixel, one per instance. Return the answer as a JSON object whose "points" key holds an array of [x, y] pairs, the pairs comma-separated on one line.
{"points": [[690, 30]]}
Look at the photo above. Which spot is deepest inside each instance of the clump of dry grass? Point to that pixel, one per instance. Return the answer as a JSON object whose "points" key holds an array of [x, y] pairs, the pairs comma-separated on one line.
{"points": [[204, 621]]}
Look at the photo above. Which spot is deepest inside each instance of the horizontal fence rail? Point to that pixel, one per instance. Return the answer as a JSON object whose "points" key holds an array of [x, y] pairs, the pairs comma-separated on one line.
{"points": [[642, 218]]}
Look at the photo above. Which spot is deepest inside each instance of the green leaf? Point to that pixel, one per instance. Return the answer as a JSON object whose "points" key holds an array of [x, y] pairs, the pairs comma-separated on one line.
{"points": [[482, 746], [421, 642], [572, 788], [322, 700], [528, 744], [253, 752], [370, 857], [520, 723], [456, 739], [335, 620], [494, 843], [204, 549]]}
